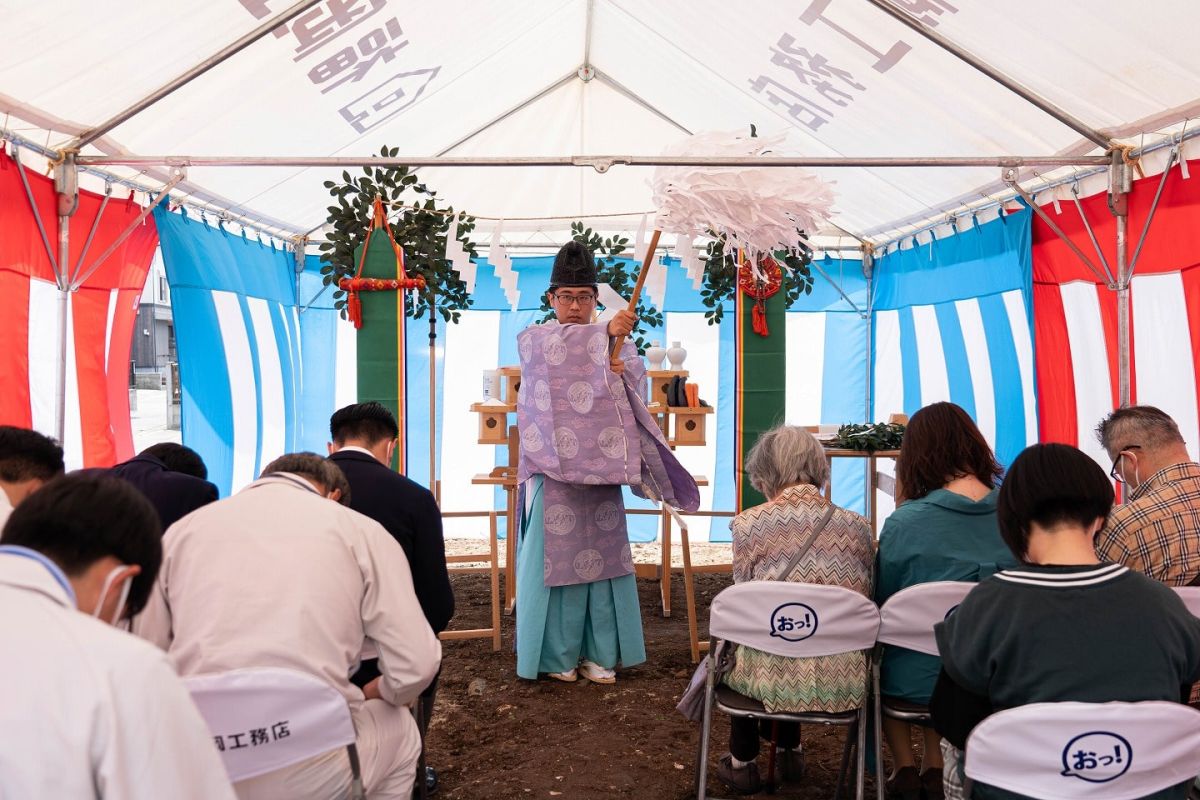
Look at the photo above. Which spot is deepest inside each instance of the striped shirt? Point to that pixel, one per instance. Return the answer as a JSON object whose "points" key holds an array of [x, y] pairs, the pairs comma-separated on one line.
{"points": [[1157, 532]]}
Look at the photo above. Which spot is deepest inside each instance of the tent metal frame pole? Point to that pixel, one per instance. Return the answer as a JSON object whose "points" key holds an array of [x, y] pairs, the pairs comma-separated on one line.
{"points": [[201, 207], [601, 163], [962, 210], [549, 89], [37, 217], [1104, 278], [621, 88], [91, 234], [868, 266], [587, 32], [1087, 225], [1153, 208], [433, 482], [66, 185], [224, 54], [868, 263], [125, 234], [1118, 204], [1024, 92], [837, 287]]}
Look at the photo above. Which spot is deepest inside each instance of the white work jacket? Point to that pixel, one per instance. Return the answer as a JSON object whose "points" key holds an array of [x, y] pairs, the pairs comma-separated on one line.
{"points": [[86, 710]]}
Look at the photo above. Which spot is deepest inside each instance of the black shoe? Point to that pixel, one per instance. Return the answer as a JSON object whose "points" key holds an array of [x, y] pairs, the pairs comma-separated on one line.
{"points": [[431, 784], [931, 784], [789, 764], [743, 780], [904, 785]]}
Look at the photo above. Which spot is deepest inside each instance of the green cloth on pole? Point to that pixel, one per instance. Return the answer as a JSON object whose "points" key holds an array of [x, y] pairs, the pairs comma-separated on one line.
{"points": [[381, 337], [762, 383]]}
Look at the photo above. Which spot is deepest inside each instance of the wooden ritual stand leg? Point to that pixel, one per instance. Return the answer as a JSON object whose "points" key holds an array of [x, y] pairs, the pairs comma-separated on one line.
{"points": [[510, 521], [664, 577], [510, 548], [873, 490], [495, 576], [689, 592]]}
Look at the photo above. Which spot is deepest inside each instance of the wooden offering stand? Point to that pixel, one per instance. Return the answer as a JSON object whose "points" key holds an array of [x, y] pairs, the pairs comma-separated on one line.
{"points": [[495, 429]]}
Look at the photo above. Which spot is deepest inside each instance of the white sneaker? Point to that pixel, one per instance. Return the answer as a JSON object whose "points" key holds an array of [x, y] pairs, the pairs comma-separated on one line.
{"points": [[596, 673], [570, 676]]}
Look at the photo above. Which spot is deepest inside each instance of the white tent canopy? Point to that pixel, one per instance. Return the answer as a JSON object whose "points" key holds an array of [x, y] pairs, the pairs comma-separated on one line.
{"points": [[577, 77]]}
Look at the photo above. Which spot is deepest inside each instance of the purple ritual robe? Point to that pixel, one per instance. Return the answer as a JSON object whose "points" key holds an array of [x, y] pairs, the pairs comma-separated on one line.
{"points": [[588, 433]]}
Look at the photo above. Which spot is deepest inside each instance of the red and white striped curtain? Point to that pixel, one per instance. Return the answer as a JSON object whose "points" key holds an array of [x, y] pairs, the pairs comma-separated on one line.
{"points": [[1075, 317], [101, 317]]}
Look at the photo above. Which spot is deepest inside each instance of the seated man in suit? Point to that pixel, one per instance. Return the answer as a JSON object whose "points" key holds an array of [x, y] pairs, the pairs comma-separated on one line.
{"points": [[172, 477], [364, 439]]}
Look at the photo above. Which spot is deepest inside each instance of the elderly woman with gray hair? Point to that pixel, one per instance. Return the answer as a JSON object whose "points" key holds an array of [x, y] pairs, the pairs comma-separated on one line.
{"points": [[787, 464]]}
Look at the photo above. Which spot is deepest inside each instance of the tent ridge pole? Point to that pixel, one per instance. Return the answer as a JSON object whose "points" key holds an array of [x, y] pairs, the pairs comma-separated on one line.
{"points": [[600, 163], [1025, 93], [204, 66]]}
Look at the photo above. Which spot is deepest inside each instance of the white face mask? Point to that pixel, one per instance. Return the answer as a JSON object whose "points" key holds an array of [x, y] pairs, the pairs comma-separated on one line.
{"points": [[125, 587]]}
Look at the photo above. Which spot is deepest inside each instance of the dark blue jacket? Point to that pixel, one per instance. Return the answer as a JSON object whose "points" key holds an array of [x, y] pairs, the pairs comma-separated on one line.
{"points": [[174, 495]]}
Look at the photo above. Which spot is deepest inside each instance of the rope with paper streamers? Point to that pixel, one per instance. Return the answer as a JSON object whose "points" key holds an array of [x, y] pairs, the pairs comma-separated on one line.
{"points": [[353, 286]]}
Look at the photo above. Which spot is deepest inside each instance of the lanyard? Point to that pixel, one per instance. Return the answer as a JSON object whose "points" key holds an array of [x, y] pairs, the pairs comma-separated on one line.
{"points": [[33, 555]]}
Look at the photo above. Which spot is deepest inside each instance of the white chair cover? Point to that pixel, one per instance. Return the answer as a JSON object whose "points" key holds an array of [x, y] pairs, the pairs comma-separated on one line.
{"points": [[1191, 598], [268, 718], [796, 620], [1101, 751], [907, 618]]}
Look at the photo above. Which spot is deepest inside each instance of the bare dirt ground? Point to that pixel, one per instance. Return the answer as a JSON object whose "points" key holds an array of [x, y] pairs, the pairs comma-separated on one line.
{"points": [[494, 735]]}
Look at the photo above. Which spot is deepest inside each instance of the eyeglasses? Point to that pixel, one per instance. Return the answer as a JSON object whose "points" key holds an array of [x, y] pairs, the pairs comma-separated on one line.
{"points": [[1112, 473], [580, 300]]}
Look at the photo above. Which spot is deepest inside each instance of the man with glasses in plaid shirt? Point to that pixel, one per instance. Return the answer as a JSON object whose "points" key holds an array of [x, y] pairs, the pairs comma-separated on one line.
{"points": [[1157, 529]]}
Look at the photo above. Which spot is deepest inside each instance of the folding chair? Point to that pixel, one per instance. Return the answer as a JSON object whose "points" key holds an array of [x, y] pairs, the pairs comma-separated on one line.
{"points": [[906, 620], [1190, 595], [793, 620], [1099, 751], [267, 718]]}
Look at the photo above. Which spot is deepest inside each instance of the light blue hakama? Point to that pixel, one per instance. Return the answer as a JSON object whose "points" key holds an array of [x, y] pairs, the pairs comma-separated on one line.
{"points": [[559, 625]]}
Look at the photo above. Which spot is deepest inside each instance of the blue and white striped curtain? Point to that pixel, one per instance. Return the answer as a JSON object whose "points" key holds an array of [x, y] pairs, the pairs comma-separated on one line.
{"points": [[953, 321], [265, 359], [241, 345]]}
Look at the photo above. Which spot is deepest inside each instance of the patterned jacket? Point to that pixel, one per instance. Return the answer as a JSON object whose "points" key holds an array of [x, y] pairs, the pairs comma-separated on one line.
{"points": [[1157, 531], [765, 538]]}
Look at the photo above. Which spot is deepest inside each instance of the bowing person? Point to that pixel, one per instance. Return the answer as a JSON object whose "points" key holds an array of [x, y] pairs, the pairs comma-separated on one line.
{"points": [[280, 575], [88, 711]]}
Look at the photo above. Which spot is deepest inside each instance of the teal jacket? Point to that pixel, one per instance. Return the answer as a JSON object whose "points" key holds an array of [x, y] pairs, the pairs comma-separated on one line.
{"points": [[941, 537]]}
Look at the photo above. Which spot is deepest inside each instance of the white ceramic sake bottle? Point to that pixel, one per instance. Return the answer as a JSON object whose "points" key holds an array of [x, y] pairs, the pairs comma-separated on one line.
{"points": [[676, 354], [655, 354]]}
